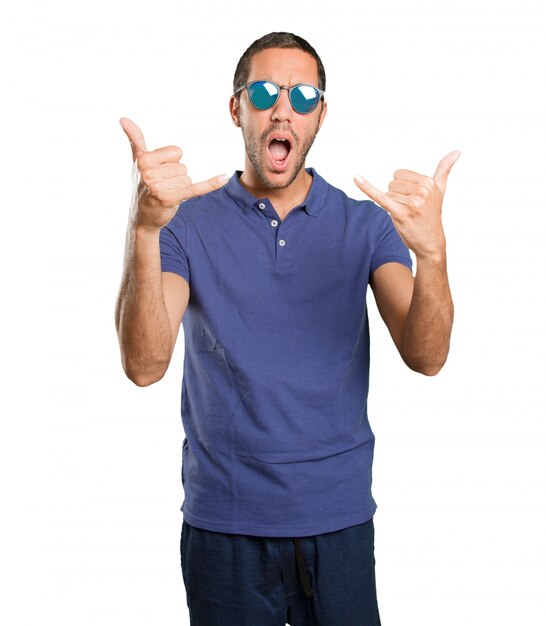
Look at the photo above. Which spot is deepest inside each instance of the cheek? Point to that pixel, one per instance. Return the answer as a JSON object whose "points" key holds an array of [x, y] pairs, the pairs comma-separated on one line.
{"points": [[250, 129], [308, 135]]}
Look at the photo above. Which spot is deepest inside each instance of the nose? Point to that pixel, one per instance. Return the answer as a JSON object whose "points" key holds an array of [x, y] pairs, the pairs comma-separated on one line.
{"points": [[282, 109]]}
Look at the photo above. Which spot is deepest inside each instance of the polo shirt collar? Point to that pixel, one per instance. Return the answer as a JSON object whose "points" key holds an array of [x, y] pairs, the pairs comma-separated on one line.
{"points": [[312, 203]]}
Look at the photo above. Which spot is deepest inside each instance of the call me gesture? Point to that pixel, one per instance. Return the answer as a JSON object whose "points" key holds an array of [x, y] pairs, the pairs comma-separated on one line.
{"points": [[420, 322], [414, 202]]}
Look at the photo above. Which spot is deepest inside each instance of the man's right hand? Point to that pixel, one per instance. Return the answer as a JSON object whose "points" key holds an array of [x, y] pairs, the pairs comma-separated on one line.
{"points": [[160, 181]]}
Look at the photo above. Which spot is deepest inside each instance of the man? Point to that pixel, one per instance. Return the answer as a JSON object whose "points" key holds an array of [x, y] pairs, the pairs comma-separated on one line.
{"points": [[277, 458]]}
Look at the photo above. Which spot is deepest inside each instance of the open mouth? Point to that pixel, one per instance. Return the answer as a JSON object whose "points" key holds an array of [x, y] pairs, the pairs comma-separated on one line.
{"points": [[279, 151]]}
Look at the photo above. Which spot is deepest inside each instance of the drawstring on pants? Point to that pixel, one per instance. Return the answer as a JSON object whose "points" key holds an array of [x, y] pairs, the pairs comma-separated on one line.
{"points": [[304, 578]]}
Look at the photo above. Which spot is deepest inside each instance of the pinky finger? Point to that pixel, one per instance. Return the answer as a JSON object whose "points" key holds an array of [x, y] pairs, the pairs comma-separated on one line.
{"points": [[206, 186], [382, 199]]}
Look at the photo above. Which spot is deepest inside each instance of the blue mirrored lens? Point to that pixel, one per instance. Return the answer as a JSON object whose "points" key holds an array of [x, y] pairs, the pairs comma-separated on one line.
{"points": [[262, 94], [304, 98]]}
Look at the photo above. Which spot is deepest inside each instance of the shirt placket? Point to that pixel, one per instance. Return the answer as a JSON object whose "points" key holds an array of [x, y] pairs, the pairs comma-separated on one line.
{"points": [[282, 231]]}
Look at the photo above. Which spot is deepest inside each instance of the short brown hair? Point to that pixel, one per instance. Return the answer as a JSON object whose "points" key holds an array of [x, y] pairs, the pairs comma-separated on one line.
{"points": [[275, 40]]}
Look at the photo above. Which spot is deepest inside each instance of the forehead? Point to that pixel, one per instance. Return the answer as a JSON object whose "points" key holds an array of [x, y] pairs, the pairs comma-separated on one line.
{"points": [[284, 66]]}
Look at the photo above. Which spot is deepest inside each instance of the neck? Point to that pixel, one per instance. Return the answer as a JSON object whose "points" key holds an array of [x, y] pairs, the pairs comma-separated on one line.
{"points": [[283, 199]]}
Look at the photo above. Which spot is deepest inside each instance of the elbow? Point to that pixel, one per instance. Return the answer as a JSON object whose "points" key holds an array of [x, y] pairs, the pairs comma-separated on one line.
{"points": [[144, 381], [427, 368], [145, 378], [431, 370]]}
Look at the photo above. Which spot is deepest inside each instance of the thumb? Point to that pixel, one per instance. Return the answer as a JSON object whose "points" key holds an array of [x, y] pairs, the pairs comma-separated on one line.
{"points": [[136, 138], [444, 167]]}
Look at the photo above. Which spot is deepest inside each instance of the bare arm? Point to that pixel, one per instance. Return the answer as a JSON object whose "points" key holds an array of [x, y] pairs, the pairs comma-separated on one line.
{"points": [[151, 303], [427, 331], [418, 312], [149, 309]]}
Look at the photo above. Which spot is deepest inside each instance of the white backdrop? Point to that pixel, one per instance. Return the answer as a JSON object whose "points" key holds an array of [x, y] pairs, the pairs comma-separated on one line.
{"points": [[90, 463]]}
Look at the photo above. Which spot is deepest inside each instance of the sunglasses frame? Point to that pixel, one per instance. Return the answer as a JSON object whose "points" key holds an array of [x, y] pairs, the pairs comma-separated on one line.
{"points": [[279, 87]]}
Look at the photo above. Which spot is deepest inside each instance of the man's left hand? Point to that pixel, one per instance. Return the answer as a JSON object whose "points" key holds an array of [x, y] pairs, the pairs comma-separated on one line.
{"points": [[414, 202]]}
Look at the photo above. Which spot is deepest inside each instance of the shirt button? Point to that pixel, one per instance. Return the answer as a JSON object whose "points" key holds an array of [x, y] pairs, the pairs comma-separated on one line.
{"points": [[281, 242], [261, 205], [274, 222]]}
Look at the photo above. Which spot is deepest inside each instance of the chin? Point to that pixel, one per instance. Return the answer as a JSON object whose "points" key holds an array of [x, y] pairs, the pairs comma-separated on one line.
{"points": [[280, 180], [286, 176]]}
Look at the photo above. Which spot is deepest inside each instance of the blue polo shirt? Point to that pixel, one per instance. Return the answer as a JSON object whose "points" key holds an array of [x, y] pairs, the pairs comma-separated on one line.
{"points": [[275, 382]]}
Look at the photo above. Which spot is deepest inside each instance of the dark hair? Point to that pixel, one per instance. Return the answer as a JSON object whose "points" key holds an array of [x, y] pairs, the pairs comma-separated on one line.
{"points": [[275, 40]]}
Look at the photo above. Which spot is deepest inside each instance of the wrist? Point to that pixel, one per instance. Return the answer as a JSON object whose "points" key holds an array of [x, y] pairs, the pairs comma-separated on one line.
{"points": [[144, 232], [434, 257], [434, 253]]}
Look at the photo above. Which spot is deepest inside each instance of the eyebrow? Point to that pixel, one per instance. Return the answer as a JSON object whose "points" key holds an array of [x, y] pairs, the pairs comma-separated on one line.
{"points": [[299, 82]]}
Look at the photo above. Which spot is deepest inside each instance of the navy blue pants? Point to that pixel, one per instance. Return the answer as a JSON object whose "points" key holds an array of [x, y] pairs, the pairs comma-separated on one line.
{"points": [[243, 580]]}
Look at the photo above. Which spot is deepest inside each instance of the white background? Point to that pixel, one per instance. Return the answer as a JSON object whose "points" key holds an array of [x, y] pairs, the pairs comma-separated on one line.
{"points": [[90, 463]]}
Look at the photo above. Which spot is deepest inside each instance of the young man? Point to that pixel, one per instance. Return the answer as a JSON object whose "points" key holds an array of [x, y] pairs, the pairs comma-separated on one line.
{"points": [[277, 458]]}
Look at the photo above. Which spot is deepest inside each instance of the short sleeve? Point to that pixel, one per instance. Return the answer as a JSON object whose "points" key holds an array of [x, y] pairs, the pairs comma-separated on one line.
{"points": [[173, 240], [388, 246]]}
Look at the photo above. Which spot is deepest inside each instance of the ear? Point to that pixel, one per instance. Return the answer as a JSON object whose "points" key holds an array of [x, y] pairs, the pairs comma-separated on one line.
{"points": [[234, 111], [323, 112]]}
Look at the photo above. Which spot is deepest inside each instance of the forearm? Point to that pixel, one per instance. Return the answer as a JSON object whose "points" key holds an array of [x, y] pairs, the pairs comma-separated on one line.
{"points": [[142, 322], [427, 330]]}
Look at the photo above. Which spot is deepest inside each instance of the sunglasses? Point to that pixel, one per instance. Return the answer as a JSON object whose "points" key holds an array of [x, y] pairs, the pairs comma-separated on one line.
{"points": [[263, 94]]}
